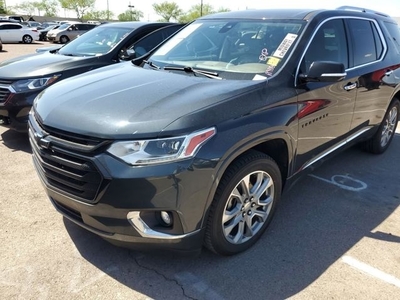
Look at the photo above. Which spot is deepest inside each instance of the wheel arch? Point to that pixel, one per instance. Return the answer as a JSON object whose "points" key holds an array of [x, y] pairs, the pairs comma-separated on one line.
{"points": [[277, 145]]}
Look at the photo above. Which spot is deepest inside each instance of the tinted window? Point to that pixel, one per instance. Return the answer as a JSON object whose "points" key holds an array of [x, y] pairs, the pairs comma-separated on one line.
{"points": [[378, 42], [84, 26], [80, 27], [394, 31], [365, 43], [11, 26], [153, 39], [328, 44]]}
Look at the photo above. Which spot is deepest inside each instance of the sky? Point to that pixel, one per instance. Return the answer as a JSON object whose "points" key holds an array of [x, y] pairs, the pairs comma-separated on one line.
{"points": [[390, 7]]}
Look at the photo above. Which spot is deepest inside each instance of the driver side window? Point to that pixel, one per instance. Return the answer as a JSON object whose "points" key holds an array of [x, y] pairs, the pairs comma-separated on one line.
{"points": [[328, 44]]}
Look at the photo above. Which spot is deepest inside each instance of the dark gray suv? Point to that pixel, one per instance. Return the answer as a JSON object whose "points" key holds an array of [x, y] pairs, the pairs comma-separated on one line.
{"points": [[196, 145]]}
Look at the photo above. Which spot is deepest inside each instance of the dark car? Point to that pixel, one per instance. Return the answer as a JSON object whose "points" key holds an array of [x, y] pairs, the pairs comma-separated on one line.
{"points": [[23, 78], [43, 32], [195, 146]]}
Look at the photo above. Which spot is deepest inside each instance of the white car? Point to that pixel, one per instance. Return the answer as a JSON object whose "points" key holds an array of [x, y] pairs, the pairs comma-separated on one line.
{"points": [[15, 33]]}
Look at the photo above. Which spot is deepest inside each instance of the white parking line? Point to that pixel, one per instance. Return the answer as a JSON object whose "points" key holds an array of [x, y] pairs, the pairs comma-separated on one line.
{"points": [[344, 182], [371, 271]]}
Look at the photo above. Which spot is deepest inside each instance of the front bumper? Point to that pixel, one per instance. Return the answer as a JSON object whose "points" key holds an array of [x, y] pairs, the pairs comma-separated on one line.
{"points": [[53, 39], [14, 110], [126, 200]]}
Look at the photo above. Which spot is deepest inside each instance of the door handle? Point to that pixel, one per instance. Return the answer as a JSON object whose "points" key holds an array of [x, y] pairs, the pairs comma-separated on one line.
{"points": [[350, 86]]}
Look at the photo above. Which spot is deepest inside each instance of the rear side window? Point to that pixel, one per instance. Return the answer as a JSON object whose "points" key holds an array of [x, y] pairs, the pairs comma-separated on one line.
{"points": [[394, 31], [153, 39], [367, 44]]}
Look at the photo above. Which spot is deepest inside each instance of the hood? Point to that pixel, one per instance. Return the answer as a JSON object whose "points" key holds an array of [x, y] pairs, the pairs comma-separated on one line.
{"points": [[38, 64], [123, 101]]}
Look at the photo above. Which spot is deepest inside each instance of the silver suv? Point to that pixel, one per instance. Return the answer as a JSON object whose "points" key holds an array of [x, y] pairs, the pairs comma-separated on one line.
{"points": [[69, 31]]}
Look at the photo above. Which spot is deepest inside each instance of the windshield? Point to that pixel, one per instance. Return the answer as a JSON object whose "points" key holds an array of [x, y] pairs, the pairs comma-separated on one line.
{"points": [[64, 26], [236, 49], [97, 41], [50, 27]]}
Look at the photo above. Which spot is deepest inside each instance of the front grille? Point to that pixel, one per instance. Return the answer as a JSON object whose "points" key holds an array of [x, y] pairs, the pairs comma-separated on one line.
{"points": [[6, 82], [63, 170], [4, 94]]}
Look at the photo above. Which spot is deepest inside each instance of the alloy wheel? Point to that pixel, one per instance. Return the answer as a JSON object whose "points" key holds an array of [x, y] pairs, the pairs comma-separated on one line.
{"points": [[389, 126], [248, 207]]}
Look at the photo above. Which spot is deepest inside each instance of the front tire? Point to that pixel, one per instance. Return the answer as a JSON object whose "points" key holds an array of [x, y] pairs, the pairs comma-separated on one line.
{"points": [[383, 137], [27, 39], [64, 39], [244, 204]]}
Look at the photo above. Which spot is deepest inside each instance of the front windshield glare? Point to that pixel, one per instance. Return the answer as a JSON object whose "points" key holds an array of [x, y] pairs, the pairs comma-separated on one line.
{"points": [[97, 41], [64, 26], [241, 49]]}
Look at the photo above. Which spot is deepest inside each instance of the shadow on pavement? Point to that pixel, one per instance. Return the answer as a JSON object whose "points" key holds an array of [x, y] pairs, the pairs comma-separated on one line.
{"points": [[16, 141], [315, 224]]}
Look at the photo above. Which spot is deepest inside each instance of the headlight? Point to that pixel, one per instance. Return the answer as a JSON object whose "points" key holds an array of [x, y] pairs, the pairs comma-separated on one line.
{"points": [[34, 84], [160, 150]]}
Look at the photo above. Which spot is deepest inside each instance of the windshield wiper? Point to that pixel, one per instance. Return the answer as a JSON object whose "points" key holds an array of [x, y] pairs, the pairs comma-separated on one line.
{"points": [[209, 74], [151, 64]]}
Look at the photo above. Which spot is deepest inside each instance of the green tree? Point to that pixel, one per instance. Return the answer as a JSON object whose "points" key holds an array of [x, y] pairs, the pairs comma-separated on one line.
{"points": [[49, 7], [198, 10], [167, 10], [46, 7], [131, 15], [2, 7], [99, 15], [27, 7], [81, 7]]}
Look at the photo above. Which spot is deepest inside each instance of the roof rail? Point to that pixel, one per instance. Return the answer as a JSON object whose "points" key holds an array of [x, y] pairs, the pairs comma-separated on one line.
{"points": [[364, 10]]}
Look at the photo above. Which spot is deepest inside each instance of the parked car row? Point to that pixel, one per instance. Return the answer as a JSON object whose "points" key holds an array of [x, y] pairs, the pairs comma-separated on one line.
{"points": [[24, 78], [193, 143], [13, 32]]}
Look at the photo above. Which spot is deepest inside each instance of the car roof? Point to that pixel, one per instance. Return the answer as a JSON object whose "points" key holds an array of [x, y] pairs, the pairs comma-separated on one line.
{"points": [[8, 23], [294, 14], [133, 24], [263, 14]]}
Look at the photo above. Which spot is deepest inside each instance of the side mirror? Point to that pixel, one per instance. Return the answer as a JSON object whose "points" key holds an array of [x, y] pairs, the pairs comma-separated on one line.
{"points": [[128, 54], [324, 71]]}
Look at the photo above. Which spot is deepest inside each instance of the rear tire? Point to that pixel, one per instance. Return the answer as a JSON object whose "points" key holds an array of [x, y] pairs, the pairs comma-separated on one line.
{"points": [[383, 137], [27, 39], [244, 204]]}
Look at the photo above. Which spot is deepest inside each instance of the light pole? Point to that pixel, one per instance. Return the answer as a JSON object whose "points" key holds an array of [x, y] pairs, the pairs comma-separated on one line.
{"points": [[130, 8], [108, 11], [201, 8]]}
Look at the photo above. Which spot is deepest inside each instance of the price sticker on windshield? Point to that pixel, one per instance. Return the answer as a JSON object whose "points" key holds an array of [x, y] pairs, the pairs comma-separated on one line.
{"points": [[285, 45]]}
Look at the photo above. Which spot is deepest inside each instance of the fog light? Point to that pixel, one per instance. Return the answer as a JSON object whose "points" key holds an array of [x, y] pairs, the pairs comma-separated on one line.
{"points": [[166, 218]]}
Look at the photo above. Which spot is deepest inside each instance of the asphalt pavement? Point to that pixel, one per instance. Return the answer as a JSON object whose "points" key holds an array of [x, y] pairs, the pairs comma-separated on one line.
{"points": [[335, 235]]}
